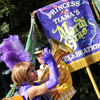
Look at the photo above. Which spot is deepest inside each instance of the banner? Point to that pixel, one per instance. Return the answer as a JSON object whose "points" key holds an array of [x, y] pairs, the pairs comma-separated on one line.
{"points": [[72, 23]]}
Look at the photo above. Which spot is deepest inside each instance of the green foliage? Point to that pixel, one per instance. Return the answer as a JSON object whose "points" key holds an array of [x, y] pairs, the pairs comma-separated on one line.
{"points": [[5, 14], [15, 15], [4, 26]]}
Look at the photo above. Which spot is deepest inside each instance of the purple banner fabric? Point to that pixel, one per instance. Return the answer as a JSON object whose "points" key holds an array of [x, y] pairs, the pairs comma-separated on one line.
{"points": [[72, 23]]}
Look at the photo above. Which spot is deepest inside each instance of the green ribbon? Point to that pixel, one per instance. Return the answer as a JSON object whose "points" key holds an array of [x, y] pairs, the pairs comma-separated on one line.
{"points": [[34, 46], [28, 43]]}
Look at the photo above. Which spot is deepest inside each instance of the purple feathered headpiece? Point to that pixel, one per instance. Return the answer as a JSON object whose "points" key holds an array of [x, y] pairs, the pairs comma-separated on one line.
{"points": [[12, 51]]}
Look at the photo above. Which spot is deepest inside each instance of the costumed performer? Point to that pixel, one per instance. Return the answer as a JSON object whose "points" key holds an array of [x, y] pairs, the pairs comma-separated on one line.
{"points": [[64, 90], [24, 74]]}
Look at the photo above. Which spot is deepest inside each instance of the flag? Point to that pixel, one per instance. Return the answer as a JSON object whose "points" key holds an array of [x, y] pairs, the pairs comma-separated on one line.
{"points": [[72, 23]]}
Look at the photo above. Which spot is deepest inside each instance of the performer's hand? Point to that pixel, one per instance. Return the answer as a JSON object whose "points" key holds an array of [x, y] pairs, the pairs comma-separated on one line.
{"points": [[47, 56], [53, 91]]}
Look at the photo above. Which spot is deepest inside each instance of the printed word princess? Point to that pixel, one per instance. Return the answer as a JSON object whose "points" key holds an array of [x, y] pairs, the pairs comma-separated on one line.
{"points": [[61, 7]]}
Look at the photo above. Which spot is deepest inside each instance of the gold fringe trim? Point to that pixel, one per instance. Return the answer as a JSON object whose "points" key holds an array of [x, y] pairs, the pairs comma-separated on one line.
{"points": [[81, 63]]}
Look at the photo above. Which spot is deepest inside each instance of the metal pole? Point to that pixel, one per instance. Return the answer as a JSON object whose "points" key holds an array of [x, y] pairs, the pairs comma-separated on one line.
{"points": [[93, 82]]}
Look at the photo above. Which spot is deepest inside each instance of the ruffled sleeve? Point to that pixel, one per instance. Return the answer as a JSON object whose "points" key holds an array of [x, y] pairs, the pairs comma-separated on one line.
{"points": [[24, 91]]}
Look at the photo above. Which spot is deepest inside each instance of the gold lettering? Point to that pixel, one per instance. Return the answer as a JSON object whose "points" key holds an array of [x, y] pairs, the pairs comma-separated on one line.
{"points": [[72, 34]]}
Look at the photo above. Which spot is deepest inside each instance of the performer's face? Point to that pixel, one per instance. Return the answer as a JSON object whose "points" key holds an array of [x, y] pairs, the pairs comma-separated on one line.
{"points": [[32, 75], [38, 56]]}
